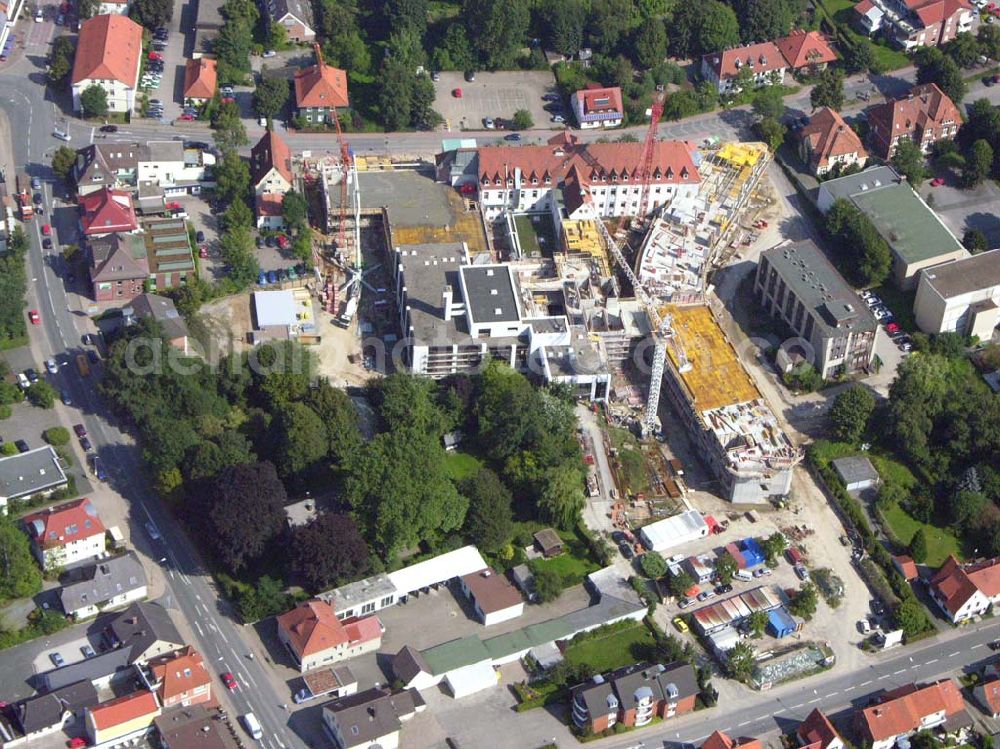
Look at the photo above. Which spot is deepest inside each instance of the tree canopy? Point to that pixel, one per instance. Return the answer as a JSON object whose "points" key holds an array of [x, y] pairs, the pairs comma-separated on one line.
{"points": [[851, 412], [94, 101], [828, 90], [866, 258], [328, 551]]}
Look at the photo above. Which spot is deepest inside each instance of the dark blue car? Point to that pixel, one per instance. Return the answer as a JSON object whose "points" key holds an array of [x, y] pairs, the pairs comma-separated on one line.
{"points": [[272, 277], [262, 279]]}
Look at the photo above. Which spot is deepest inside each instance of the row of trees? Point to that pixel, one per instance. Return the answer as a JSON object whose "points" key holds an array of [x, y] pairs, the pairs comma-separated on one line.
{"points": [[866, 256], [13, 284]]}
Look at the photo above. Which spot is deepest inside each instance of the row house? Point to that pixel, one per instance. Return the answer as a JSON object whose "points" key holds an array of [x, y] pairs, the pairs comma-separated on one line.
{"points": [[766, 63], [632, 696], [915, 23]]}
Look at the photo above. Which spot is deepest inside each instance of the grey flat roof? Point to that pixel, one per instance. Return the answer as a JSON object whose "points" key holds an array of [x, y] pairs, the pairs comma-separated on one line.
{"points": [[912, 230], [350, 595], [89, 669], [869, 179], [819, 287], [427, 270], [970, 274], [492, 296], [29, 473], [100, 582], [164, 150], [855, 468]]}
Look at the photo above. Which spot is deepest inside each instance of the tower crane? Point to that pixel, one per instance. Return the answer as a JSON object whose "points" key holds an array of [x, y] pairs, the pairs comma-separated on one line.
{"points": [[662, 325]]}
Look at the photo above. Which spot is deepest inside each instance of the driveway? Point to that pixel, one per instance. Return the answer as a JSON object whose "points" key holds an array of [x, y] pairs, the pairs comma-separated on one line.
{"points": [[961, 210], [492, 95]]}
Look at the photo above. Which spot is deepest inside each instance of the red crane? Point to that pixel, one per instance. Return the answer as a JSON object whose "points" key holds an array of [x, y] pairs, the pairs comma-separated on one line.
{"points": [[646, 163]]}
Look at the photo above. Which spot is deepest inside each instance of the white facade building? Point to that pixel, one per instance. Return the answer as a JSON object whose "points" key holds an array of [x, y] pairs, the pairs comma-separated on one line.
{"points": [[962, 296]]}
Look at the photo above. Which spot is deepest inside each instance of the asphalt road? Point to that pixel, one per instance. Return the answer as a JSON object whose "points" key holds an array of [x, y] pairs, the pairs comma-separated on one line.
{"points": [[188, 587]]}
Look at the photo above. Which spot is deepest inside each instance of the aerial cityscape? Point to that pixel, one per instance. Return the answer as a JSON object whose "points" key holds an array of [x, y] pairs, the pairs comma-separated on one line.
{"points": [[495, 374]]}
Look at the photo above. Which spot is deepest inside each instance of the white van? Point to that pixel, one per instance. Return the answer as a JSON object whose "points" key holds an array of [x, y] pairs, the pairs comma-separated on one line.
{"points": [[743, 575], [253, 726]]}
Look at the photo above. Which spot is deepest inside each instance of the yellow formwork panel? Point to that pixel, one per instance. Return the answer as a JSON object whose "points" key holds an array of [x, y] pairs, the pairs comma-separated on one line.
{"points": [[741, 154], [716, 377], [583, 237]]}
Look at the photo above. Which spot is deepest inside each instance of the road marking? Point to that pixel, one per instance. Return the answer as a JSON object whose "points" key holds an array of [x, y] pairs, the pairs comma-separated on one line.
{"points": [[850, 688], [883, 676], [897, 673], [866, 683], [832, 694], [932, 660], [977, 646], [812, 701], [239, 675], [744, 723], [952, 655]]}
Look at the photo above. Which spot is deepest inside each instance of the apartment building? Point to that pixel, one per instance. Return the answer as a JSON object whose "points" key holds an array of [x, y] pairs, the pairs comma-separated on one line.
{"points": [[109, 584], [179, 678], [925, 116], [796, 283], [962, 296], [108, 54], [915, 23], [65, 534], [632, 696]]}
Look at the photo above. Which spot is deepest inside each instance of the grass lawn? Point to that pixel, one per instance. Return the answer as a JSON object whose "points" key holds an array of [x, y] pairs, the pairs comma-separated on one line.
{"points": [[613, 651], [940, 542], [461, 465], [536, 238], [841, 11], [900, 303], [574, 564]]}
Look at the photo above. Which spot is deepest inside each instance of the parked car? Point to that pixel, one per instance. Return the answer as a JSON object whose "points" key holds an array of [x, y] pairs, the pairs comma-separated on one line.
{"points": [[680, 624], [32, 375], [85, 444], [489, 124], [80, 430], [47, 243], [761, 572], [513, 137], [937, 182], [685, 602], [470, 75], [203, 252], [802, 572], [262, 279], [270, 53], [892, 327], [22, 446], [626, 550], [551, 97], [706, 594], [153, 531], [722, 589], [272, 277], [34, 317], [283, 242], [66, 398], [57, 659], [88, 651], [51, 366], [435, 76], [199, 236], [457, 93]]}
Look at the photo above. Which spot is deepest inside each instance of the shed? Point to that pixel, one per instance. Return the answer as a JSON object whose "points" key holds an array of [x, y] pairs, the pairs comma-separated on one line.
{"points": [[675, 531], [274, 308], [523, 579], [753, 555], [548, 542], [780, 623], [857, 472], [906, 567]]}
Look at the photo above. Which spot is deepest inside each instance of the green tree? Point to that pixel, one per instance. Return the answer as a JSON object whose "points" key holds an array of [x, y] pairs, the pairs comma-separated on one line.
{"points": [[911, 617], [740, 661], [975, 241], [232, 177], [394, 511], [407, 13], [62, 162], [650, 43], [230, 133], [522, 120], [850, 413], [88, 9], [422, 113], [266, 598], [933, 66], [340, 416], [562, 500], [805, 602], [301, 440], [860, 57], [963, 49], [277, 36], [233, 45], [271, 95], [868, 259], [774, 546], [395, 95], [758, 623], [653, 565], [454, 52], [245, 512], [237, 247], [771, 132], [761, 20], [564, 23], [238, 214], [978, 163], [681, 583], [609, 24], [19, 574], [725, 568], [910, 162], [41, 394], [152, 13], [701, 28], [548, 581], [94, 101], [768, 103], [328, 551], [988, 36], [489, 523], [61, 59], [918, 546], [829, 90], [403, 400], [295, 210], [497, 29]]}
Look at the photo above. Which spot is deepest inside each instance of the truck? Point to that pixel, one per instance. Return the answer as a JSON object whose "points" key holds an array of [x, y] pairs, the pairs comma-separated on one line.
{"points": [[24, 204]]}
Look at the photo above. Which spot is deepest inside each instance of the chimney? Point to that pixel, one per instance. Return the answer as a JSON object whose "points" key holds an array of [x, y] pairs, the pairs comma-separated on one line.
{"points": [[446, 299]]}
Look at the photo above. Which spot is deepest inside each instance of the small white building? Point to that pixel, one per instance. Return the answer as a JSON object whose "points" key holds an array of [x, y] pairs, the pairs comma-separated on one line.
{"points": [[494, 599], [598, 107], [857, 473], [177, 170], [675, 531], [962, 296]]}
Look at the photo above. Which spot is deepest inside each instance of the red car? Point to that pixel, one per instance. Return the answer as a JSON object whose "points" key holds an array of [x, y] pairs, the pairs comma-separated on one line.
{"points": [[46, 230], [35, 318], [937, 182], [892, 327], [202, 252], [155, 56], [186, 117], [230, 681], [80, 430], [283, 242], [457, 93], [77, 743], [227, 100]]}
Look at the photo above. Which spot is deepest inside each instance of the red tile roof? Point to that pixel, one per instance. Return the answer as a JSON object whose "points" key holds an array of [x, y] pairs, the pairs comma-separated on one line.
{"points": [[598, 101], [932, 12], [269, 204], [925, 107], [122, 710], [816, 730], [200, 78], [107, 211], [180, 672], [902, 710], [719, 740], [957, 584], [492, 591], [990, 695], [321, 86], [108, 48], [801, 48], [906, 566], [312, 627], [829, 136], [864, 6], [270, 152], [672, 162], [62, 524], [764, 57]]}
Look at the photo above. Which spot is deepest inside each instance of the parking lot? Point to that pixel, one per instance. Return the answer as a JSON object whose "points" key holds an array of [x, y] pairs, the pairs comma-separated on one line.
{"points": [[964, 209], [493, 95]]}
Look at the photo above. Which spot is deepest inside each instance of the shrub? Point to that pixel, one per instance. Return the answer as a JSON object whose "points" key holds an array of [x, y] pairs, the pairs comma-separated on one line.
{"points": [[56, 436]]}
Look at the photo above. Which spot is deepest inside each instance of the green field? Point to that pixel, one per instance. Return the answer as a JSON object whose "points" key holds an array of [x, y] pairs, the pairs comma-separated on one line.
{"points": [[574, 564], [940, 542], [617, 649], [461, 465], [840, 11]]}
